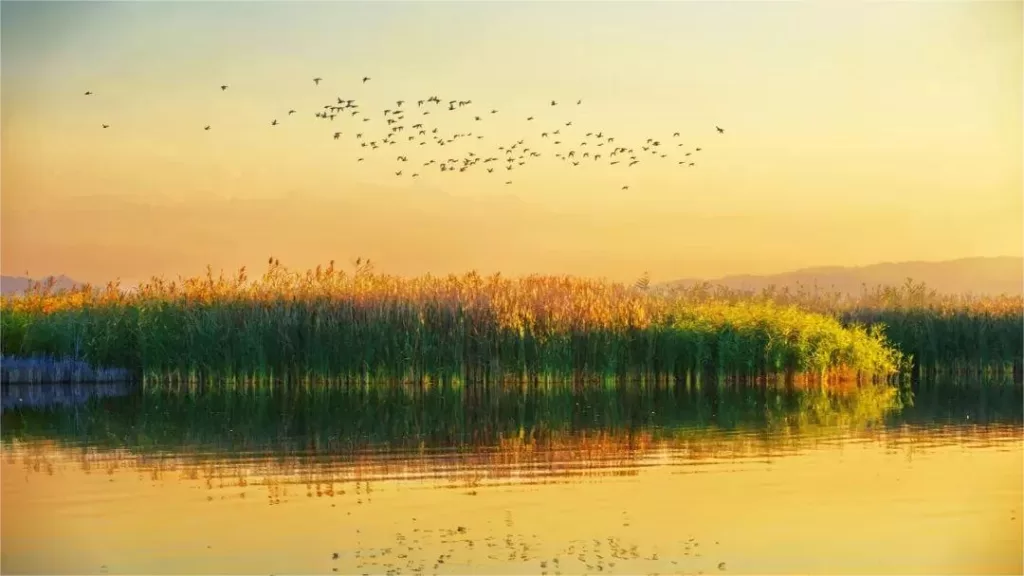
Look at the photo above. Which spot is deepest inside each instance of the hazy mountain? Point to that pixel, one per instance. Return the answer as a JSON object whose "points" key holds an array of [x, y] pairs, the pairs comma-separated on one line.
{"points": [[1002, 275], [981, 276], [18, 284]]}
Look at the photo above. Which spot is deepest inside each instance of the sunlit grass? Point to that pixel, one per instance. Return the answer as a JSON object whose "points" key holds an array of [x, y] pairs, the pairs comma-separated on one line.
{"points": [[325, 325], [964, 334]]}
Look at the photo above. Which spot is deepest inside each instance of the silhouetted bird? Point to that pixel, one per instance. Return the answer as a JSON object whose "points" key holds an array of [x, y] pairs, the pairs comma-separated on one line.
{"points": [[273, 123], [223, 87], [88, 93], [106, 125], [720, 130], [365, 79], [206, 127], [317, 81]]}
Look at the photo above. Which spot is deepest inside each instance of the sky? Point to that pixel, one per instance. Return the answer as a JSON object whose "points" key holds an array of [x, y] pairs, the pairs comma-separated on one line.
{"points": [[855, 133]]}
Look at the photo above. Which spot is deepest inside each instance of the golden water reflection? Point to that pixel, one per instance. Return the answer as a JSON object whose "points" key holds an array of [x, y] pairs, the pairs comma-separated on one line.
{"points": [[904, 499]]}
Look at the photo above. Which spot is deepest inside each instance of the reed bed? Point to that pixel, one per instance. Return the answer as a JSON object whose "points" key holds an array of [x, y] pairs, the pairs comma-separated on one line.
{"points": [[941, 334], [327, 325]]}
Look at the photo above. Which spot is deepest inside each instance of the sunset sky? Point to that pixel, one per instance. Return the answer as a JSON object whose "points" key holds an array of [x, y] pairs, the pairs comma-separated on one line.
{"points": [[855, 132]]}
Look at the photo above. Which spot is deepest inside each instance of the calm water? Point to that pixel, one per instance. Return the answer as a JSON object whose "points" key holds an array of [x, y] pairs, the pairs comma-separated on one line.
{"points": [[633, 480]]}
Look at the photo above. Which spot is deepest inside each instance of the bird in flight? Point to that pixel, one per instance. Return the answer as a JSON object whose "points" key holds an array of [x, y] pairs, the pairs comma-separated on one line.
{"points": [[88, 93], [290, 112], [273, 123], [317, 80], [365, 79], [106, 125], [553, 103], [625, 187], [207, 127], [720, 130], [337, 135], [578, 102], [223, 87]]}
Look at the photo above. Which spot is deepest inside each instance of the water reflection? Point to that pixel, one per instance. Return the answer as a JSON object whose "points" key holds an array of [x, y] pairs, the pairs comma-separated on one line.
{"points": [[629, 479]]}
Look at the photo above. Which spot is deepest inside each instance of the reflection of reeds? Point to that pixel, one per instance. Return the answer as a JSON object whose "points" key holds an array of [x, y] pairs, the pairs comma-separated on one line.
{"points": [[39, 395], [326, 325], [517, 421], [560, 457]]}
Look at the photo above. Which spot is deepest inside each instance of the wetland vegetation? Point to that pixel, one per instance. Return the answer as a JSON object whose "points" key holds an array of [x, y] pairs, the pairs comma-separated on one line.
{"points": [[326, 325]]}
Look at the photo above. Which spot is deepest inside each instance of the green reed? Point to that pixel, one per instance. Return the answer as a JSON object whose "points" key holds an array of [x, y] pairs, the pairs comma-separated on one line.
{"points": [[317, 328], [962, 335]]}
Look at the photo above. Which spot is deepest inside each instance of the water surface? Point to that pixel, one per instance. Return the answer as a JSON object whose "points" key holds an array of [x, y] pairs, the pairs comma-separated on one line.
{"points": [[628, 480]]}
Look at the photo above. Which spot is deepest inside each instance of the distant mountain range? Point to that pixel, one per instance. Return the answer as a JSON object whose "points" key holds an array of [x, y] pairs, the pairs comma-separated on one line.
{"points": [[981, 276], [18, 284]]}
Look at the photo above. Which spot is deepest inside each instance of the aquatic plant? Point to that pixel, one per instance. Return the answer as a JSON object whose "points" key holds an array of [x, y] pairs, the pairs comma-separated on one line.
{"points": [[941, 334], [328, 325]]}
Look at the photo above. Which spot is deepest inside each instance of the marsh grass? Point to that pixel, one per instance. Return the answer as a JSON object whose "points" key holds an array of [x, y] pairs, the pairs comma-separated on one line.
{"points": [[325, 325], [941, 335]]}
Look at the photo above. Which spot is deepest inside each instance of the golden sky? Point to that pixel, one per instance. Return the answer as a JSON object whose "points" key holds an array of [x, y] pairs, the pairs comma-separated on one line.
{"points": [[856, 132]]}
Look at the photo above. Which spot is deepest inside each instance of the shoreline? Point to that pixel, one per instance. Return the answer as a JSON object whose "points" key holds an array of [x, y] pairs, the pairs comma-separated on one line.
{"points": [[42, 370]]}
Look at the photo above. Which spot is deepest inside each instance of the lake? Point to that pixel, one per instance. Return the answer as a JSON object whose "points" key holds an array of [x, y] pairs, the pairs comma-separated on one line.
{"points": [[630, 479]]}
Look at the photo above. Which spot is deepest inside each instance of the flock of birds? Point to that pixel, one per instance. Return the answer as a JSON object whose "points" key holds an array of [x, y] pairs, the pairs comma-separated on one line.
{"points": [[405, 124]]}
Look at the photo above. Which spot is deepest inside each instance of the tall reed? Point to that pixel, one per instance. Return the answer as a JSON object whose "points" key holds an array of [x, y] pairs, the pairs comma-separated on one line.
{"points": [[325, 324], [942, 334]]}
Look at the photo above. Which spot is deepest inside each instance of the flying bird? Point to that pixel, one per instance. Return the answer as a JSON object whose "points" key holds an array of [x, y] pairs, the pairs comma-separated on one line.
{"points": [[365, 79], [207, 127], [88, 93], [106, 125], [273, 123], [337, 135], [317, 80], [290, 112], [223, 87], [720, 130]]}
